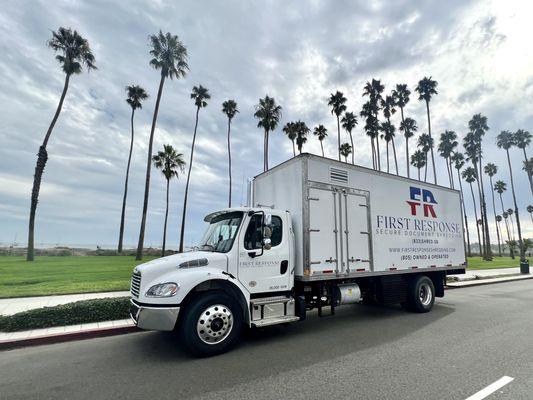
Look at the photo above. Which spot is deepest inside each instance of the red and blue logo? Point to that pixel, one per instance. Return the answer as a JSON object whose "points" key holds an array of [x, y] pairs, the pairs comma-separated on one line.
{"points": [[422, 199]]}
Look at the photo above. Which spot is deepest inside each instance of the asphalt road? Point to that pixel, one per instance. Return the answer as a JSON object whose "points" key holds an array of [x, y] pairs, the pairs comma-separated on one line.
{"points": [[473, 337]]}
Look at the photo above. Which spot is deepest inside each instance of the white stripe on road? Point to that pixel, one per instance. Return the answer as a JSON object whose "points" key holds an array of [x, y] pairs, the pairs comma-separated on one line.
{"points": [[491, 388]]}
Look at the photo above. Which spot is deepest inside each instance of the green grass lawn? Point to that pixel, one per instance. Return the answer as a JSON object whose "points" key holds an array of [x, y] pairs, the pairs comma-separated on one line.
{"points": [[497, 262], [64, 275], [49, 275]]}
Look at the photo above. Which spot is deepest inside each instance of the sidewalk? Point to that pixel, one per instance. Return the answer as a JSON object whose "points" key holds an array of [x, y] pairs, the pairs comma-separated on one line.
{"points": [[485, 273]]}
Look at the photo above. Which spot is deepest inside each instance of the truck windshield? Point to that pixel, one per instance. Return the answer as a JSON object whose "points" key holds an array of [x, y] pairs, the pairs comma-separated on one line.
{"points": [[221, 232]]}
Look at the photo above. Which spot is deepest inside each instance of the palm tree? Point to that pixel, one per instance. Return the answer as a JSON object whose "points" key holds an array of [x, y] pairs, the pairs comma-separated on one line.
{"points": [[527, 166], [504, 141], [345, 150], [229, 107], [373, 90], [510, 213], [301, 134], [447, 145], [136, 95], [170, 56], [522, 140], [478, 127], [491, 170], [289, 130], [170, 163], [408, 127], [425, 143], [388, 105], [530, 211], [337, 102], [498, 221], [426, 88], [469, 175], [320, 132], [388, 135], [268, 113], [401, 97], [74, 54], [371, 128], [200, 95], [500, 187], [418, 160], [512, 246], [458, 160], [349, 121]]}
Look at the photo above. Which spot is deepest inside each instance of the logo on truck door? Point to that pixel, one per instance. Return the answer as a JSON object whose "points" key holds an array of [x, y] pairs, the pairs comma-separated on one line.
{"points": [[422, 200]]}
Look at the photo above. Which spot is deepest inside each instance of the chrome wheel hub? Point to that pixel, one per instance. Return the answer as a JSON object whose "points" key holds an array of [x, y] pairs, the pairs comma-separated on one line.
{"points": [[425, 294], [214, 324]]}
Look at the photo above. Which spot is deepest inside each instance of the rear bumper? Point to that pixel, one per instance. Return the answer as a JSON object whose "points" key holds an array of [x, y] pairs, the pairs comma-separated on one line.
{"points": [[157, 318]]}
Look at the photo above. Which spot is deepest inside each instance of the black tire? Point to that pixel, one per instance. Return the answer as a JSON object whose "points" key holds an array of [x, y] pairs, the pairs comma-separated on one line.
{"points": [[226, 322], [420, 295]]}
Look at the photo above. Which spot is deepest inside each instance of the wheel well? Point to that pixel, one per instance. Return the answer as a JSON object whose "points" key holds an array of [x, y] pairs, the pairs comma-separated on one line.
{"points": [[215, 285]]}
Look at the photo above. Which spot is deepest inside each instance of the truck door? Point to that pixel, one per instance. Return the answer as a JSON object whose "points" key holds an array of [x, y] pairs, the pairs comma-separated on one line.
{"points": [[338, 231], [262, 270]]}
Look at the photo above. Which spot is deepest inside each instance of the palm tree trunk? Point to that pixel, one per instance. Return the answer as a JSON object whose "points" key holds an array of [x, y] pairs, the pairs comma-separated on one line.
{"points": [[448, 170], [378, 153], [123, 214], [140, 244], [321, 147], [432, 155], [528, 174], [520, 241], [451, 172], [511, 253], [395, 159], [267, 137], [418, 173], [387, 146], [165, 225], [339, 137], [294, 149], [484, 217], [264, 151], [475, 215], [483, 251], [464, 213], [353, 149], [229, 161], [184, 213], [406, 146], [494, 211], [426, 167], [372, 147], [42, 157]]}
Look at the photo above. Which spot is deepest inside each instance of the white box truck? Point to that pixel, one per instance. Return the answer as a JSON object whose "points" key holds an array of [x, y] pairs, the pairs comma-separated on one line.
{"points": [[318, 234]]}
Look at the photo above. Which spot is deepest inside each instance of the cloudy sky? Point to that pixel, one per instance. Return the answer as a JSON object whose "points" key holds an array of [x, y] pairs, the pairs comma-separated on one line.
{"points": [[297, 51]]}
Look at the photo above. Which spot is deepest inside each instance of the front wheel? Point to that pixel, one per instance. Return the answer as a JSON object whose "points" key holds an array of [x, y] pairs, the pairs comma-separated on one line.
{"points": [[421, 294], [212, 324]]}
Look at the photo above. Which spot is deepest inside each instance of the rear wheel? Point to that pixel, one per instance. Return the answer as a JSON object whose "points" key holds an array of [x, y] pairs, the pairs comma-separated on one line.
{"points": [[212, 324], [421, 295]]}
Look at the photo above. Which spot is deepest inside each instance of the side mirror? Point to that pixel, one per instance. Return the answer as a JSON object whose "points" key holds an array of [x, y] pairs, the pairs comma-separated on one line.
{"points": [[267, 244], [267, 226]]}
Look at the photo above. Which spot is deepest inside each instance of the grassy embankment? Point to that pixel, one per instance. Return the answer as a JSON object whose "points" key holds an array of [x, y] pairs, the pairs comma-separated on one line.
{"points": [[49, 275]]}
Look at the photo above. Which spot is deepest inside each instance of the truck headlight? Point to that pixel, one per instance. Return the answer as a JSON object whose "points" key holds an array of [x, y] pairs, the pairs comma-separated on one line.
{"points": [[167, 289]]}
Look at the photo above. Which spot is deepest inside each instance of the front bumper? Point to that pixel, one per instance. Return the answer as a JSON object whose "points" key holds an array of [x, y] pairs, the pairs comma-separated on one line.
{"points": [[155, 318]]}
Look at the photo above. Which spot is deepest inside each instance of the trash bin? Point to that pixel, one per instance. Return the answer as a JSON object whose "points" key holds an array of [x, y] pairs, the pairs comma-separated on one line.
{"points": [[524, 266]]}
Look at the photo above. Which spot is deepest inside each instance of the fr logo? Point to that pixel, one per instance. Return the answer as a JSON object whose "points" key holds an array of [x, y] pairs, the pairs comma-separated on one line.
{"points": [[422, 199]]}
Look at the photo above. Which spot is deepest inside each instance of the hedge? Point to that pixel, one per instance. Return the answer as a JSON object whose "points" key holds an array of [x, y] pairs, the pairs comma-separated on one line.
{"points": [[80, 312]]}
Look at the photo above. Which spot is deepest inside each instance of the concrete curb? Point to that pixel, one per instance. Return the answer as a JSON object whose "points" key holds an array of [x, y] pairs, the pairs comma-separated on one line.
{"points": [[67, 337], [480, 282]]}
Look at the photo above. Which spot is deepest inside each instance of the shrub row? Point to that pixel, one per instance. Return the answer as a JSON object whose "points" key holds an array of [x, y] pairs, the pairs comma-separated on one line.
{"points": [[80, 312]]}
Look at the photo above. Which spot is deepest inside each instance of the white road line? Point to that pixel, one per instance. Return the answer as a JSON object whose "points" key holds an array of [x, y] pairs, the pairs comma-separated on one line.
{"points": [[491, 388]]}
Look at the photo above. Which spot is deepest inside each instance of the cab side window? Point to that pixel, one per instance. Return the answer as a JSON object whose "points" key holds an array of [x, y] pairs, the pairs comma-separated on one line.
{"points": [[253, 235]]}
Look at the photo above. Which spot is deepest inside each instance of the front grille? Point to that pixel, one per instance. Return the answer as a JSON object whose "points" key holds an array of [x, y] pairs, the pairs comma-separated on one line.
{"points": [[135, 284]]}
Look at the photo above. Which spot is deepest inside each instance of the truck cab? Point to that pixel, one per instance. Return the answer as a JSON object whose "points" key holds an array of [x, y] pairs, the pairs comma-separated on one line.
{"points": [[210, 293]]}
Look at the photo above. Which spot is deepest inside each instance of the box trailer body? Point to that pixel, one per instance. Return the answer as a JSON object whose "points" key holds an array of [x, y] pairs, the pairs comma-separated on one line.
{"points": [[353, 221], [317, 234]]}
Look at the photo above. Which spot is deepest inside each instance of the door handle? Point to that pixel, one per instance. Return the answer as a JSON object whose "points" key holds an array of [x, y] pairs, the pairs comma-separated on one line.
{"points": [[283, 267]]}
